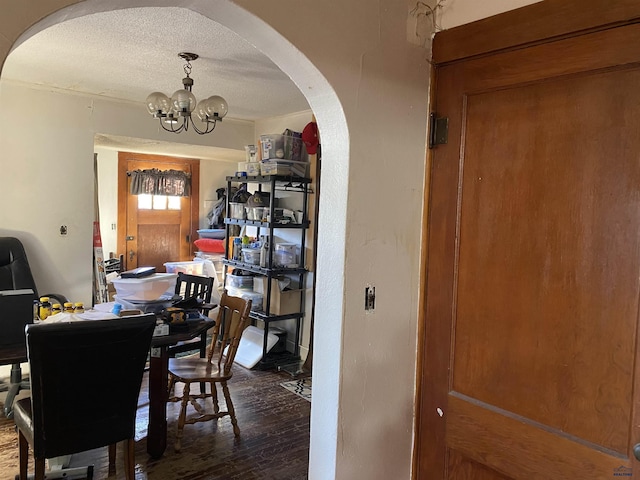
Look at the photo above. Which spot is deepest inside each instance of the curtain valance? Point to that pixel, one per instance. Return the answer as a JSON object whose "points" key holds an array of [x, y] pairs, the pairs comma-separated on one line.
{"points": [[160, 182]]}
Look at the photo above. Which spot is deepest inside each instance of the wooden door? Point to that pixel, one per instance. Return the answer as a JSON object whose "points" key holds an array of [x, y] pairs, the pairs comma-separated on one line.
{"points": [[530, 353], [155, 230]]}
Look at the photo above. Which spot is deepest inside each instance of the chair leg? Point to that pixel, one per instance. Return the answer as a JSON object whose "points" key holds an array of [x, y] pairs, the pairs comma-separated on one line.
{"points": [[129, 459], [230, 409], [112, 458], [182, 417], [23, 449], [214, 397], [8, 403], [39, 471], [172, 383], [203, 345]]}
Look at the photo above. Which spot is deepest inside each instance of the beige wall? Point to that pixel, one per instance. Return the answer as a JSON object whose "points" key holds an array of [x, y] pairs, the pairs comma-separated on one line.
{"points": [[368, 88], [459, 12], [49, 157]]}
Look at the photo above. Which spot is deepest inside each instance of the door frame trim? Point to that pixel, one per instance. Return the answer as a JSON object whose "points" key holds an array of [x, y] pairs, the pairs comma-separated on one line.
{"points": [[123, 158], [540, 22]]}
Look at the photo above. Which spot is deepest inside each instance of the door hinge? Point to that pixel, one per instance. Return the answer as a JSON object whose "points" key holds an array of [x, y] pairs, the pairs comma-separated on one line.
{"points": [[438, 130]]}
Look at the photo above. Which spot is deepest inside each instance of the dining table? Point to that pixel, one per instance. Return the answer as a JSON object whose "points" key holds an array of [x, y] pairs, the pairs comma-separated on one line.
{"points": [[159, 380], [158, 368]]}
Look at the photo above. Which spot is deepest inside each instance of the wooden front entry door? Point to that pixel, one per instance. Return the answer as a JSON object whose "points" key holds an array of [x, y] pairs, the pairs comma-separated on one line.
{"points": [[152, 231], [530, 367]]}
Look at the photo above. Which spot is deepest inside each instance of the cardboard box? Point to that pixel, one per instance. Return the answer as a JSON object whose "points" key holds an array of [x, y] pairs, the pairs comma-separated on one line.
{"points": [[283, 302]]}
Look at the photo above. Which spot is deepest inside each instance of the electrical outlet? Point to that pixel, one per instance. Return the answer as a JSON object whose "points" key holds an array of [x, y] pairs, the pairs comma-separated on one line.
{"points": [[369, 298], [63, 230]]}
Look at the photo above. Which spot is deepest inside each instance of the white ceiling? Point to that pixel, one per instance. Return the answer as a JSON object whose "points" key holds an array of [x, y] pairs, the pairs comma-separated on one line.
{"points": [[127, 54]]}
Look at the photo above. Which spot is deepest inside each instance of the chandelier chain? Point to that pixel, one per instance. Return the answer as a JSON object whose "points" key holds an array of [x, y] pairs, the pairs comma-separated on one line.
{"points": [[187, 68]]}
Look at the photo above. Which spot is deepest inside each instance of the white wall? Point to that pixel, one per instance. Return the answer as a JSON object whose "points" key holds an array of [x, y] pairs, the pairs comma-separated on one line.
{"points": [[459, 12], [368, 88], [213, 175], [108, 198]]}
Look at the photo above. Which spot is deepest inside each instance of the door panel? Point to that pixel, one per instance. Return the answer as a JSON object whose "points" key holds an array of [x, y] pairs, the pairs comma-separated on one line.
{"points": [[463, 468], [157, 243], [534, 254]]}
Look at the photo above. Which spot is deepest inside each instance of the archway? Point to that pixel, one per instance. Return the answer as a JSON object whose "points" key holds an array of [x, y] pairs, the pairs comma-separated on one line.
{"points": [[332, 124]]}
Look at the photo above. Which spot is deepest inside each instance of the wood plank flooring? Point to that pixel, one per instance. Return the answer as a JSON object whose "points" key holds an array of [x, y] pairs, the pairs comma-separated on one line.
{"points": [[273, 443]]}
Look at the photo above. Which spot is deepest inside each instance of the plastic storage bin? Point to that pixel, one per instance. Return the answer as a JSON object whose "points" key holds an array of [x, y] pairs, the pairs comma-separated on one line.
{"points": [[147, 288], [251, 256], [256, 298], [287, 147], [285, 255], [283, 167], [216, 233], [215, 258], [240, 281], [255, 213], [253, 168], [192, 268], [236, 210]]}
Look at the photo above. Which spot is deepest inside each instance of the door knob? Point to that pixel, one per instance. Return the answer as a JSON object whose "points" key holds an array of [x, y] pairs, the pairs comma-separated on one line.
{"points": [[636, 451], [131, 254]]}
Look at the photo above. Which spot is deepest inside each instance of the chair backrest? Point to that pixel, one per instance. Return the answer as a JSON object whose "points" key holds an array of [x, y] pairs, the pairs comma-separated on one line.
{"points": [[16, 311], [233, 317], [85, 381], [194, 286], [15, 272]]}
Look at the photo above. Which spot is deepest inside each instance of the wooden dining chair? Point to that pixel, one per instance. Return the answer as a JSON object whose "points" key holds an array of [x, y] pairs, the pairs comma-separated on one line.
{"points": [[216, 369]]}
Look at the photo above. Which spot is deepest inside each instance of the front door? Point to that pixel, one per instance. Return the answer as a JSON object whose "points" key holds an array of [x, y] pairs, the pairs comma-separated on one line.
{"points": [[530, 363], [154, 229]]}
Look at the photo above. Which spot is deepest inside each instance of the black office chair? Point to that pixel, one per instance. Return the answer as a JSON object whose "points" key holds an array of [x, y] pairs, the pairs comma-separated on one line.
{"points": [[15, 274], [194, 287], [86, 379]]}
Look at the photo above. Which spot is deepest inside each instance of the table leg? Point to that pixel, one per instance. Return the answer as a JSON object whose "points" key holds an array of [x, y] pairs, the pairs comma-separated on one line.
{"points": [[158, 395]]}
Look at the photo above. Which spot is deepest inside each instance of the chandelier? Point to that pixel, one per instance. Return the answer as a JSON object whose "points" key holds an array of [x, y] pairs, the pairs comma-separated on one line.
{"points": [[174, 113]]}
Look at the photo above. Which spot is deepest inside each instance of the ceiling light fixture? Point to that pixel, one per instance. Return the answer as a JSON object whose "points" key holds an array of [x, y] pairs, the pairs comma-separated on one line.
{"points": [[174, 113]]}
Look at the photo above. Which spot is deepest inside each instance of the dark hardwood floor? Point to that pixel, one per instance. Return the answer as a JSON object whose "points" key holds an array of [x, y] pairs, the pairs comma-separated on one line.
{"points": [[273, 443]]}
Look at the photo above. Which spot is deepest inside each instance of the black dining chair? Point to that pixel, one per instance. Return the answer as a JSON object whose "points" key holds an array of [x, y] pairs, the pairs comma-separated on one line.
{"points": [[85, 378], [199, 289]]}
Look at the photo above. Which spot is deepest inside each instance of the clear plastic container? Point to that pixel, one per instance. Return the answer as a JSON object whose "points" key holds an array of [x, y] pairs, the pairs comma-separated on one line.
{"points": [[285, 255], [255, 213], [256, 298], [251, 256], [146, 288], [236, 210], [191, 268], [285, 147], [240, 281]]}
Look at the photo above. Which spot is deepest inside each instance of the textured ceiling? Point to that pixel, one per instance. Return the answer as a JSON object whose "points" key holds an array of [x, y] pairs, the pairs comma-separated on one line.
{"points": [[127, 54]]}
